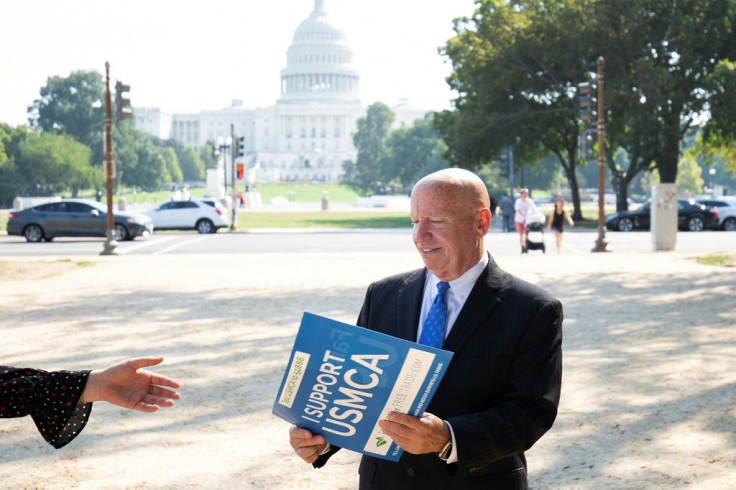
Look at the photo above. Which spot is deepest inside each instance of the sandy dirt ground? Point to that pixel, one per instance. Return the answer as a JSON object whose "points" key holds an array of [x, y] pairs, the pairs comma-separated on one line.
{"points": [[649, 384]]}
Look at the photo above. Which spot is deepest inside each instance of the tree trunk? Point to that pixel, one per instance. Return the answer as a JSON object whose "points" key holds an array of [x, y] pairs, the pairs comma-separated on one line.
{"points": [[572, 181], [670, 152], [620, 186]]}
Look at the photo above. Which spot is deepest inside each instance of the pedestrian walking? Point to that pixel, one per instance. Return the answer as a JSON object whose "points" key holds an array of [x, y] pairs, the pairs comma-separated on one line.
{"points": [[507, 213], [556, 222]]}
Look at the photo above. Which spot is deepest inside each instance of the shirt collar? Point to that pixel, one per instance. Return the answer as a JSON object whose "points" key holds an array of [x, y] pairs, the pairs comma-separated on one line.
{"points": [[461, 286]]}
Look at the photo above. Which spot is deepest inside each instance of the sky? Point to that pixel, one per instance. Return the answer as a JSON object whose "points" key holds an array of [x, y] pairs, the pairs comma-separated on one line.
{"points": [[186, 56]]}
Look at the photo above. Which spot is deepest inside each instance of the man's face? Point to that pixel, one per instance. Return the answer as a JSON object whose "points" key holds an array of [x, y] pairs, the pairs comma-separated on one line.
{"points": [[524, 195], [448, 230]]}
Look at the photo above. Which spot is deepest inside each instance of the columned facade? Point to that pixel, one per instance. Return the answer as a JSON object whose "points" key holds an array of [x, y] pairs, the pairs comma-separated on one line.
{"points": [[307, 135]]}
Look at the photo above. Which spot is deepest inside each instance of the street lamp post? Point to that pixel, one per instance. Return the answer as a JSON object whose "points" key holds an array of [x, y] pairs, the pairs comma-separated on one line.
{"points": [[223, 148], [108, 248], [600, 243]]}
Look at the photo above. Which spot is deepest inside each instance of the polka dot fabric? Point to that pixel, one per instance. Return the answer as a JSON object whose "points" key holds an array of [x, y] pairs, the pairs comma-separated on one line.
{"points": [[433, 330], [50, 398]]}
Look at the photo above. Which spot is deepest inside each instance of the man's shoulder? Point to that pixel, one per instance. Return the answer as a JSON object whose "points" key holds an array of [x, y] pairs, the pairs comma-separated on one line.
{"points": [[527, 290]]}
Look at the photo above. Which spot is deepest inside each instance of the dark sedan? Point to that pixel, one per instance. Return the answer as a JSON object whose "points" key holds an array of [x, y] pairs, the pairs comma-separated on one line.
{"points": [[75, 218], [691, 216]]}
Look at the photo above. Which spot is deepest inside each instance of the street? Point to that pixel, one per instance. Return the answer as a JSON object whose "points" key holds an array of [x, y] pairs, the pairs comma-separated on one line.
{"points": [[320, 241]]}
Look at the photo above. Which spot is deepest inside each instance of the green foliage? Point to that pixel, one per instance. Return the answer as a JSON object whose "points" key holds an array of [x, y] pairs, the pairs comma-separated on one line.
{"points": [[721, 84], [192, 167], [689, 177], [369, 139], [54, 163], [413, 152], [660, 60], [151, 171], [172, 166], [308, 193], [516, 66], [207, 155], [321, 219], [720, 260], [73, 105], [393, 160]]}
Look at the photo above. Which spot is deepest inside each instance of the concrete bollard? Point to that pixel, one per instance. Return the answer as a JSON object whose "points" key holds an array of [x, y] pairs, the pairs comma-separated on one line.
{"points": [[122, 203]]}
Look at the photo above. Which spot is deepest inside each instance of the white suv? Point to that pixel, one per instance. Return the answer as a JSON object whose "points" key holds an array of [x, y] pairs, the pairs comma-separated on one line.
{"points": [[204, 215], [726, 208]]}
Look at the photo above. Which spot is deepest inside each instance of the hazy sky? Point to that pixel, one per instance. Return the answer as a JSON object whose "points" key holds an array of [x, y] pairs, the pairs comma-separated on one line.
{"points": [[188, 56]]}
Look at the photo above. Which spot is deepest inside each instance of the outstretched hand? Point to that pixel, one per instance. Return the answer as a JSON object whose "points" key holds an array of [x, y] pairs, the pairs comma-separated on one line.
{"points": [[128, 385]]}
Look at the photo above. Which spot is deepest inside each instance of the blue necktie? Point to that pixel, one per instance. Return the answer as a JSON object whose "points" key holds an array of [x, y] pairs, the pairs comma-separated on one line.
{"points": [[433, 332]]}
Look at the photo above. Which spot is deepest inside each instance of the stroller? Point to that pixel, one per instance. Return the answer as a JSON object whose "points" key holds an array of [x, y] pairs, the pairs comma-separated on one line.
{"points": [[535, 231]]}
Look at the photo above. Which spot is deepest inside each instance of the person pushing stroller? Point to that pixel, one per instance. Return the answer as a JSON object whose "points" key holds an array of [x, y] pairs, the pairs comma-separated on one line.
{"points": [[534, 231]]}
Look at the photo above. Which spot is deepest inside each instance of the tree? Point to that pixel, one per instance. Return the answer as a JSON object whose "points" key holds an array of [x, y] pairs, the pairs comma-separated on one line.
{"points": [[665, 71], [172, 165], [54, 163], [207, 154], [151, 172], [192, 167], [72, 105], [11, 182], [140, 159], [413, 152], [515, 69], [516, 66], [690, 176], [369, 139]]}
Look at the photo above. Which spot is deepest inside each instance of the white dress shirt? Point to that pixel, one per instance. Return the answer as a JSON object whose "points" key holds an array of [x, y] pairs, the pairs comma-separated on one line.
{"points": [[456, 296]]}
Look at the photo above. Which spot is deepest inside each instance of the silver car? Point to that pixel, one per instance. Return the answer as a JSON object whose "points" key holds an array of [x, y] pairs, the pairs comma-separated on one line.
{"points": [[75, 218], [726, 209]]}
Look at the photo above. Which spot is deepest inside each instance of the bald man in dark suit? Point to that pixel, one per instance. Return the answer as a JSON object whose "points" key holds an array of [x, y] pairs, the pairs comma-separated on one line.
{"points": [[502, 388]]}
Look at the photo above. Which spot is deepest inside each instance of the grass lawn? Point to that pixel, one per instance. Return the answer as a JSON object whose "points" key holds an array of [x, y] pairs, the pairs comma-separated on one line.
{"points": [[322, 219], [298, 193]]}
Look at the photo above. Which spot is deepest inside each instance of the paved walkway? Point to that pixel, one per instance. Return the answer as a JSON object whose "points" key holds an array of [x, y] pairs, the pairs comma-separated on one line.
{"points": [[649, 378]]}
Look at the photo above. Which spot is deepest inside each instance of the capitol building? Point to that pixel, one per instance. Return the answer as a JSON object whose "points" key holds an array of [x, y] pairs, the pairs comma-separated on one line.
{"points": [[308, 133]]}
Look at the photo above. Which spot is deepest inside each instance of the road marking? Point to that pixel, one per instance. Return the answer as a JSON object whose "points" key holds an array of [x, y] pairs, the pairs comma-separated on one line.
{"points": [[182, 244], [148, 243], [569, 247]]}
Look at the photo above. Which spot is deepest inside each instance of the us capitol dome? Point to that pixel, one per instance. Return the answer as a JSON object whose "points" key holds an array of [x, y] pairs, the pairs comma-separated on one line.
{"points": [[319, 64], [307, 135]]}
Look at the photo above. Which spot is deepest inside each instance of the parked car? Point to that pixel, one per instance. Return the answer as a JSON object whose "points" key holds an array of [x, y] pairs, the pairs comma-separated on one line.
{"points": [[691, 216], [726, 209], [74, 218], [204, 215]]}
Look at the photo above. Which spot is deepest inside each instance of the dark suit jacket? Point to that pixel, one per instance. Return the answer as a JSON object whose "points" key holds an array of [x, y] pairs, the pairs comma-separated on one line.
{"points": [[501, 390]]}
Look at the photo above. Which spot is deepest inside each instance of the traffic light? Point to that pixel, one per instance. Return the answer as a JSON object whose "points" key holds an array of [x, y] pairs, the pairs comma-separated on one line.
{"points": [[588, 102], [122, 104], [239, 171], [240, 146], [503, 159], [585, 145]]}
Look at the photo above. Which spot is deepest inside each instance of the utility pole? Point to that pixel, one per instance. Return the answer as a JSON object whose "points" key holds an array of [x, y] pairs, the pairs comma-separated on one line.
{"points": [[600, 243], [108, 248]]}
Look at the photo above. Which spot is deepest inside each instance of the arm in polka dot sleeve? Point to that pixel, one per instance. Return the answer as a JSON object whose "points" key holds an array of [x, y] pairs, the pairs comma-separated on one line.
{"points": [[50, 398]]}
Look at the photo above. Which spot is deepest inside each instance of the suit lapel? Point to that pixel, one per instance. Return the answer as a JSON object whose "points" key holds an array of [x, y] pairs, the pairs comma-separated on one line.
{"points": [[409, 305], [484, 298]]}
